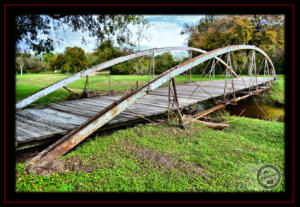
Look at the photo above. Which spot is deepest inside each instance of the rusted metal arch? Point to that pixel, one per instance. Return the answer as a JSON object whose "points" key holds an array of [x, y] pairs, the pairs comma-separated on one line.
{"points": [[74, 137], [49, 89]]}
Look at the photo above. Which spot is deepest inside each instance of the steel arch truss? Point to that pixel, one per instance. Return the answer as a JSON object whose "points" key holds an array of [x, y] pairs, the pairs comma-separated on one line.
{"points": [[49, 89], [78, 134]]}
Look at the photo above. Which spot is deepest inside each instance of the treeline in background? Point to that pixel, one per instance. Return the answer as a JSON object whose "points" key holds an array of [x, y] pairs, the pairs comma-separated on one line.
{"points": [[211, 32]]}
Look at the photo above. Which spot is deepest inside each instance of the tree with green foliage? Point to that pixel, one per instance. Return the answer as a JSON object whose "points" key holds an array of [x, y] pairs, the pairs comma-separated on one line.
{"points": [[46, 57], [263, 31], [57, 63], [92, 59], [21, 61], [164, 62], [72, 60], [75, 59], [25, 62], [29, 28], [107, 51]]}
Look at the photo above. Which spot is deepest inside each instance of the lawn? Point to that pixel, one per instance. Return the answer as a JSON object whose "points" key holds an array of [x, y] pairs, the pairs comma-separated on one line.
{"points": [[165, 158], [159, 157], [277, 92]]}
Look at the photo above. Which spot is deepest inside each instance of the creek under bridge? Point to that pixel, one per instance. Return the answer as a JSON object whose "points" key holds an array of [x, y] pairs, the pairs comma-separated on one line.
{"points": [[68, 123]]}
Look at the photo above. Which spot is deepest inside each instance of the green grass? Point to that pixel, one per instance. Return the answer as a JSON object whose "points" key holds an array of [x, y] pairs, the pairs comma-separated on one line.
{"points": [[277, 92], [229, 160]]}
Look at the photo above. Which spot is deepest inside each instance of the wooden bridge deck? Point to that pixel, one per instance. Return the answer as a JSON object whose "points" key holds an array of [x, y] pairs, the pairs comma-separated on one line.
{"points": [[40, 123]]}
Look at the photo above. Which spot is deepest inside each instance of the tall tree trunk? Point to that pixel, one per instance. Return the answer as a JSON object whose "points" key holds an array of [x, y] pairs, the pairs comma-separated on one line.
{"points": [[250, 63], [21, 66]]}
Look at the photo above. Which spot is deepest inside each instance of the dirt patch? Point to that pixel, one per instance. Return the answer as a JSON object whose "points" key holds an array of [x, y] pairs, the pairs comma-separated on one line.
{"points": [[189, 131], [71, 164], [166, 162], [163, 160]]}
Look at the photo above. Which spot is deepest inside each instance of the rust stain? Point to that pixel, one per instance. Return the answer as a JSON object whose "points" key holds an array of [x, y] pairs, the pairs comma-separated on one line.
{"points": [[114, 111]]}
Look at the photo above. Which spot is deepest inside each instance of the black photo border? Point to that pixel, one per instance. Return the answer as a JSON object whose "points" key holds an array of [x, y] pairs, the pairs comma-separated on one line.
{"points": [[11, 197]]}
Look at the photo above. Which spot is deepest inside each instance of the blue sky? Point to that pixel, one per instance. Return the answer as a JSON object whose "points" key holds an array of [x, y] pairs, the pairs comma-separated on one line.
{"points": [[163, 31]]}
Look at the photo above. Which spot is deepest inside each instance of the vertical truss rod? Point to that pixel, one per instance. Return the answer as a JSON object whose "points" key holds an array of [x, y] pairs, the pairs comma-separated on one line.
{"points": [[177, 103], [169, 99], [190, 57], [153, 65]]}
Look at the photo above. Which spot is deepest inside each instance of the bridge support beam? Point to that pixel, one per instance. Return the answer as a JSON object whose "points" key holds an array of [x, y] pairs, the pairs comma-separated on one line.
{"points": [[173, 103], [85, 93]]}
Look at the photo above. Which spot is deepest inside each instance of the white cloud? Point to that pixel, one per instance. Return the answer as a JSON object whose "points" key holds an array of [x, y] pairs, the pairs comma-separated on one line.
{"points": [[71, 39], [164, 31], [162, 34], [178, 19]]}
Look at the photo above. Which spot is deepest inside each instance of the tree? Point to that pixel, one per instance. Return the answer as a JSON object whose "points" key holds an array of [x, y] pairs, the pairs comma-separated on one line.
{"points": [[75, 59], [25, 62], [21, 60], [106, 51], [92, 59], [58, 62], [263, 31], [164, 62], [72, 60], [127, 67], [29, 28], [46, 57]]}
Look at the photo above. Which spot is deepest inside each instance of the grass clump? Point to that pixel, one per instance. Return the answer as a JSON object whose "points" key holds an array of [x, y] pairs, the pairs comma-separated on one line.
{"points": [[277, 92]]}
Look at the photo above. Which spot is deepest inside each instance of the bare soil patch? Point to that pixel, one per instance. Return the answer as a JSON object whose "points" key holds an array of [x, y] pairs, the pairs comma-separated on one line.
{"points": [[71, 164], [166, 162]]}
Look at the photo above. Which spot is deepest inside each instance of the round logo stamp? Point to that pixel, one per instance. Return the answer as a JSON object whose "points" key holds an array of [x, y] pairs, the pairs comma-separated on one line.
{"points": [[269, 176]]}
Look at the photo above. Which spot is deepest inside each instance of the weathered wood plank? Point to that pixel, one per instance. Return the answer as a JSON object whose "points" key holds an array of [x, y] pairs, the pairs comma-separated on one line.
{"points": [[69, 110], [44, 118], [21, 136], [82, 107], [148, 102], [69, 117], [32, 130], [40, 125]]}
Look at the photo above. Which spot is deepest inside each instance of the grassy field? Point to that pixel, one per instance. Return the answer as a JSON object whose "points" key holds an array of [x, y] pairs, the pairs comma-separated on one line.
{"points": [[164, 158], [160, 157], [277, 92]]}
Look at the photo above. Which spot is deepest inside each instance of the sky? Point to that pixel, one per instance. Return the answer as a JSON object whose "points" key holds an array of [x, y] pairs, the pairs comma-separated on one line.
{"points": [[163, 31]]}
